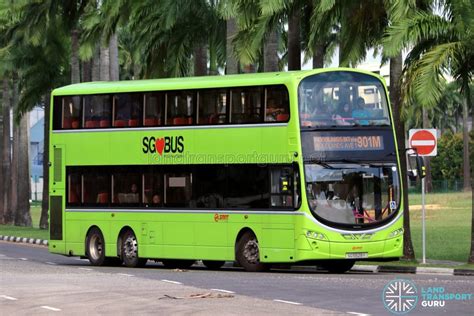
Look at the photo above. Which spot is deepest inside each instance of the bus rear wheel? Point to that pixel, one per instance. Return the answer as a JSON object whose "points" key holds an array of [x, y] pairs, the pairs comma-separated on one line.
{"points": [[338, 266], [213, 265], [248, 253], [129, 251], [95, 247]]}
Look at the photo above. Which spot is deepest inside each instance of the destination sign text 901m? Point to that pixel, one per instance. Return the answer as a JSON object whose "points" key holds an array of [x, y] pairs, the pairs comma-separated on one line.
{"points": [[348, 143]]}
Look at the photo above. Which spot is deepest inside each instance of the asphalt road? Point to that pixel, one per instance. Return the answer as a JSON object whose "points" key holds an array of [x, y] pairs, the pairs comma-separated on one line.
{"points": [[33, 281]]}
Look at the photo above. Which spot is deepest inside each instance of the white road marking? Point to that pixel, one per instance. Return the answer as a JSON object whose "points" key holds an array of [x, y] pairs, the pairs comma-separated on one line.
{"points": [[287, 302], [224, 291], [125, 274], [359, 314], [51, 263], [51, 308], [80, 259], [9, 298], [23, 259], [86, 269], [169, 281], [2, 255]]}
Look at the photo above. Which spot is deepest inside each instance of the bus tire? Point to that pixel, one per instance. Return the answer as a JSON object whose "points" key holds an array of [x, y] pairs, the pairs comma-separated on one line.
{"points": [[129, 251], [95, 247], [248, 253], [338, 266], [212, 264], [177, 263]]}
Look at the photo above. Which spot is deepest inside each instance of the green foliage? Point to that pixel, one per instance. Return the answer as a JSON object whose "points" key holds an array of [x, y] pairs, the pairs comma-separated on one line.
{"points": [[448, 163]]}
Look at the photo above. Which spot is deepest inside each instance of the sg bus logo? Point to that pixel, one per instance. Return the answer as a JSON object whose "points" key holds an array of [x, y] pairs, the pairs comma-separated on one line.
{"points": [[174, 144]]}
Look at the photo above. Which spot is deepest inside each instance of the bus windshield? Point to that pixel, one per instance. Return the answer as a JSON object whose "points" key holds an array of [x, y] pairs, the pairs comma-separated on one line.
{"points": [[352, 193], [342, 98]]}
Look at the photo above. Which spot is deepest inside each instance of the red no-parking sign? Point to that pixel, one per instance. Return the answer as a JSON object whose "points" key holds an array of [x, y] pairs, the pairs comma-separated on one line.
{"points": [[424, 141]]}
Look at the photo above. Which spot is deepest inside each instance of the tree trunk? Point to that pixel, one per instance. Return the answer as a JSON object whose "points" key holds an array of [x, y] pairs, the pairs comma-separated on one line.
{"points": [[114, 63], [231, 61], [465, 138], [200, 60], [294, 42], [2, 142], [104, 64], [43, 224], [395, 91], [213, 60], [6, 217], [427, 159], [318, 55], [270, 52], [14, 174], [22, 215], [87, 71], [95, 73], [75, 69]]}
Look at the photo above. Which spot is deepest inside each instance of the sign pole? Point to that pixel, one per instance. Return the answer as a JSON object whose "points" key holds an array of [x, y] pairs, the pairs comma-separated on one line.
{"points": [[423, 219]]}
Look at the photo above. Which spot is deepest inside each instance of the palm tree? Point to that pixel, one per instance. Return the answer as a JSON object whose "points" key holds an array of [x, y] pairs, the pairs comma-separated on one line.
{"points": [[40, 60], [5, 199], [442, 43]]}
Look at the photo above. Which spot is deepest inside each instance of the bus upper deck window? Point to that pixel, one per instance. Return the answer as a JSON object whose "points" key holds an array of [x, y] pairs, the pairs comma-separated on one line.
{"points": [[154, 109], [276, 109], [97, 111], [128, 110], [71, 109], [212, 107], [180, 108]]}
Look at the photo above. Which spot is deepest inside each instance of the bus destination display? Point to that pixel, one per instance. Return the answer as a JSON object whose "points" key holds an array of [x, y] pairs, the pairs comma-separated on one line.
{"points": [[348, 143]]}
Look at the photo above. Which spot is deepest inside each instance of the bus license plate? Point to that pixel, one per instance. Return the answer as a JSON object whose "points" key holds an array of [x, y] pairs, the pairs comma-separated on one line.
{"points": [[356, 255]]}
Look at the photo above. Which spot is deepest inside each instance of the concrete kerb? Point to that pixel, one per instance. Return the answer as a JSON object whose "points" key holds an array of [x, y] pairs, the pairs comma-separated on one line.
{"points": [[356, 268], [41, 242]]}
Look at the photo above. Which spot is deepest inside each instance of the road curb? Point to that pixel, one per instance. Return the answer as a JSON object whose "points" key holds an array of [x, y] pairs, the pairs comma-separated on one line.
{"points": [[34, 241]]}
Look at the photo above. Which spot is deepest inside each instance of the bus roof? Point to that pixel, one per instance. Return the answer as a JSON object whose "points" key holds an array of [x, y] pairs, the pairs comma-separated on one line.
{"points": [[166, 84]]}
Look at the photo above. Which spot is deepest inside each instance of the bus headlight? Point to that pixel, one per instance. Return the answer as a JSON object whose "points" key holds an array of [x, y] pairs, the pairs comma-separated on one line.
{"points": [[396, 233], [315, 235]]}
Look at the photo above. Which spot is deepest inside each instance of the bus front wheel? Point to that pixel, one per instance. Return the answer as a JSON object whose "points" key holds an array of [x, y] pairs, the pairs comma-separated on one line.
{"points": [[248, 253], [129, 251]]}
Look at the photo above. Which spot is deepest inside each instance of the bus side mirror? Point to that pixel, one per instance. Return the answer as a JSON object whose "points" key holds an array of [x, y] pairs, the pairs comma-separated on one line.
{"points": [[420, 167]]}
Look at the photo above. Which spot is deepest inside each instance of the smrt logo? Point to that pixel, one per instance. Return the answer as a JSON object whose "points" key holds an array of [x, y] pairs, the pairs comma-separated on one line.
{"points": [[166, 144]]}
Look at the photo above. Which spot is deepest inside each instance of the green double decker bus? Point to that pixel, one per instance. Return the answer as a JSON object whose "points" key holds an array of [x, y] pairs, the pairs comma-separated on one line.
{"points": [[270, 168]]}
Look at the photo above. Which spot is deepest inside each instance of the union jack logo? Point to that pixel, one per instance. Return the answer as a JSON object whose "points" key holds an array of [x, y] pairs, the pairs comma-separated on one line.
{"points": [[400, 296]]}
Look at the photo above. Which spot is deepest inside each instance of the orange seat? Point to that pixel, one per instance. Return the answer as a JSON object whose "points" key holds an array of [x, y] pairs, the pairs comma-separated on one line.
{"points": [[67, 123], [180, 121], [75, 123], [150, 122], [103, 198], [120, 123], [133, 122], [104, 123], [92, 124], [282, 117]]}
